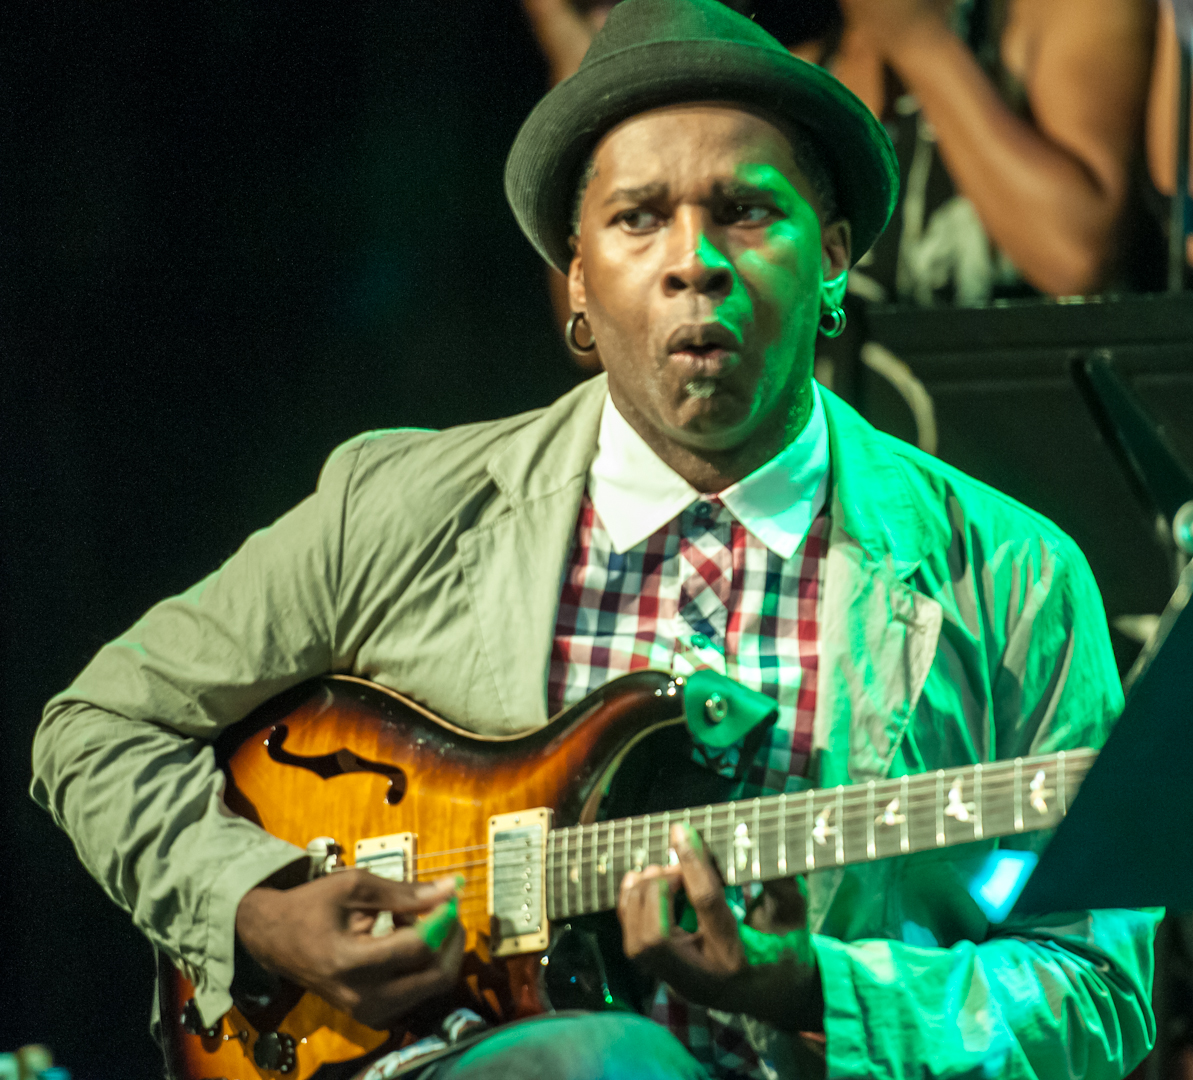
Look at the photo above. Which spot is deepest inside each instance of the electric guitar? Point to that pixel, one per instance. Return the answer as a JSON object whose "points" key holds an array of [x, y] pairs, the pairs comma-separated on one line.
{"points": [[536, 825]]}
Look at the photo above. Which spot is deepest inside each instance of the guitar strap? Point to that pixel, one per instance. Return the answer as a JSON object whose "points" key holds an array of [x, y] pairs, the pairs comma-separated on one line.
{"points": [[727, 721]]}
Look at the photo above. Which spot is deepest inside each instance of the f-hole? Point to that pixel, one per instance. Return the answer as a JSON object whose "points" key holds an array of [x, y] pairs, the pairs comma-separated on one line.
{"points": [[335, 764]]}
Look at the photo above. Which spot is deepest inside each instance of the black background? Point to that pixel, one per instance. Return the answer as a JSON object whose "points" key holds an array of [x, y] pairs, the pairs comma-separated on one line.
{"points": [[234, 235]]}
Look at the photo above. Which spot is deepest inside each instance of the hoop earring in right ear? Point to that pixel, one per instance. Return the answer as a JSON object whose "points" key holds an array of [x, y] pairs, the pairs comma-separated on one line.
{"points": [[569, 335], [832, 322]]}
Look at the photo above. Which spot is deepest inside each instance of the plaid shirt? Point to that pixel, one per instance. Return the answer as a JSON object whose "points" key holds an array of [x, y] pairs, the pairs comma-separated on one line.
{"points": [[700, 591]]}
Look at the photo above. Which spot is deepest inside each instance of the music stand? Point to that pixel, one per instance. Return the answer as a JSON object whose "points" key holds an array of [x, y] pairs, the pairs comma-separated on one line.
{"points": [[1127, 840]]}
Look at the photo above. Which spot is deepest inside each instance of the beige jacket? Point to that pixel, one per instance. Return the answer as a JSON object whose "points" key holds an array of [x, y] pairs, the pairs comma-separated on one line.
{"points": [[956, 627]]}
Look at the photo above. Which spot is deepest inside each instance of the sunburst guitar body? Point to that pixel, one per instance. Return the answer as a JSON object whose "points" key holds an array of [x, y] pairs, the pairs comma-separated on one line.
{"points": [[414, 797]]}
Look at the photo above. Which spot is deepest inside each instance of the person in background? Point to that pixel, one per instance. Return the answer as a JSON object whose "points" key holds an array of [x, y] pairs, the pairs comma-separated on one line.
{"points": [[565, 29], [1018, 127], [1161, 114]]}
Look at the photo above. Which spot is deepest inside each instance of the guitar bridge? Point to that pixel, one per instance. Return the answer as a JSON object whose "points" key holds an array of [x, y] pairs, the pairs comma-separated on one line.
{"points": [[517, 882]]}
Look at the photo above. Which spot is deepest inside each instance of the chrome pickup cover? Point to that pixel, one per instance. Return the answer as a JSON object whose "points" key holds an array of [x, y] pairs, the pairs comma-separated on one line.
{"points": [[517, 876]]}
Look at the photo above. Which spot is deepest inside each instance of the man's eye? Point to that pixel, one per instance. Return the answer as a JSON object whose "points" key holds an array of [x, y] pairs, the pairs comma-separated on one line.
{"points": [[748, 213], [638, 220]]}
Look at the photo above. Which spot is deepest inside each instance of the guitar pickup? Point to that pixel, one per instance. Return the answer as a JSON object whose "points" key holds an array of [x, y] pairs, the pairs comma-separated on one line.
{"points": [[389, 857], [517, 882]]}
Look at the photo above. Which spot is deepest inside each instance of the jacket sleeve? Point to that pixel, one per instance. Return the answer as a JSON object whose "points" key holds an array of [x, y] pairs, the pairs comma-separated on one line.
{"points": [[123, 759], [1062, 996]]}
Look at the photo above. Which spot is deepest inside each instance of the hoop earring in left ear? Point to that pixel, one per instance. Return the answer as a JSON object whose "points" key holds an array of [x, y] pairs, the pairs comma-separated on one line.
{"points": [[569, 335], [832, 322]]}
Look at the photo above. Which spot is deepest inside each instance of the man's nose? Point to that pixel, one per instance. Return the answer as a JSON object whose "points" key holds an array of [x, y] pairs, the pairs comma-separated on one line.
{"points": [[696, 263]]}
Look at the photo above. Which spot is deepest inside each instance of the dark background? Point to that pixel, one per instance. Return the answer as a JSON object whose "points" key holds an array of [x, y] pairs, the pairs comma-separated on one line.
{"points": [[232, 235]]}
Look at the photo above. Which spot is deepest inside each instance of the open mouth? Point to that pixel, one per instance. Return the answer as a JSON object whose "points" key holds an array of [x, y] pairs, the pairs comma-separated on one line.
{"points": [[701, 351], [707, 350]]}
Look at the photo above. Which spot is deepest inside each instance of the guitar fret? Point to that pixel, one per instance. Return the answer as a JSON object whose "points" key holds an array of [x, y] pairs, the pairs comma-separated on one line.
{"points": [[578, 866], [810, 856], [756, 866], [871, 847], [781, 851], [612, 878], [940, 807], [594, 872], [977, 801], [840, 824], [629, 861], [905, 816], [1061, 793], [588, 875], [730, 862], [1018, 794]]}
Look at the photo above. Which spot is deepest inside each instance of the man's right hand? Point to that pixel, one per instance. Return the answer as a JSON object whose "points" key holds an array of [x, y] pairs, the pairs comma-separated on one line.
{"points": [[319, 935]]}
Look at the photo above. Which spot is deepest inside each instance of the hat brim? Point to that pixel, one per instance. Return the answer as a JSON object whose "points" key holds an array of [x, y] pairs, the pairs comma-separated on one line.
{"points": [[553, 144]]}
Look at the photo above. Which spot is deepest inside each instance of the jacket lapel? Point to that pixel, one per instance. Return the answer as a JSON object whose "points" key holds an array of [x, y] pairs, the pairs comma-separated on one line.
{"points": [[878, 634], [514, 563], [878, 639]]}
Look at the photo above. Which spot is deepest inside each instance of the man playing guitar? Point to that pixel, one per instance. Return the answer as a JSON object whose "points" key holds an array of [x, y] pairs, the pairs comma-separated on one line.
{"points": [[703, 504]]}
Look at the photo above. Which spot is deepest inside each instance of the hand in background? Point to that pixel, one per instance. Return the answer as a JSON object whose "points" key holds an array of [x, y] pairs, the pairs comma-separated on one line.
{"points": [[564, 32], [320, 936], [884, 24], [710, 967]]}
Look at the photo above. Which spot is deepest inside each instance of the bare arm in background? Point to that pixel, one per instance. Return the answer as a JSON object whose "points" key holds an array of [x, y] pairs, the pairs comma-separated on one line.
{"points": [[1161, 110], [1049, 190], [564, 34]]}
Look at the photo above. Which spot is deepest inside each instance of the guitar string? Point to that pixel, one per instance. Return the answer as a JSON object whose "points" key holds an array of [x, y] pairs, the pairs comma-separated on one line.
{"points": [[581, 903], [851, 798], [655, 849], [994, 804], [606, 885], [584, 864], [602, 893], [650, 843]]}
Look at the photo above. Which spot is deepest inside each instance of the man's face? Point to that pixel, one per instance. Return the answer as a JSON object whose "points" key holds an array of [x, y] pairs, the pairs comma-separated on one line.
{"points": [[699, 265]]}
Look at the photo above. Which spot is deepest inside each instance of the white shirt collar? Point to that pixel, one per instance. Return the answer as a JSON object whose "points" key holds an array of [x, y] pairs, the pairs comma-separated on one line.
{"points": [[636, 493]]}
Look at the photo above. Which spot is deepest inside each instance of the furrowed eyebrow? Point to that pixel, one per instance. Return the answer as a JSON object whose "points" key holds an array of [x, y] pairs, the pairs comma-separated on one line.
{"points": [[736, 189], [637, 194], [722, 189]]}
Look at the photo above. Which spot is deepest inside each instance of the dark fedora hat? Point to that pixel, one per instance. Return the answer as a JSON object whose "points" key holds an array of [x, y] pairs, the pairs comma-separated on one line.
{"points": [[659, 52]]}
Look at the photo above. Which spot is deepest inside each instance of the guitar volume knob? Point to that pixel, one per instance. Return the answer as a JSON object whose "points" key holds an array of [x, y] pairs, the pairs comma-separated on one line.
{"points": [[192, 1022], [274, 1050]]}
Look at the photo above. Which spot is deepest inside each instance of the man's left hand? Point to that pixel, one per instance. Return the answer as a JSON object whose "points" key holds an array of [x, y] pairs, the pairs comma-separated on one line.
{"points": [[710, 967]]}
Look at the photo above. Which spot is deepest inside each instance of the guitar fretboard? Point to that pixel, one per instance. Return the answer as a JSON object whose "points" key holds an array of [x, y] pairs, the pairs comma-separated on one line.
{"points": [[782, 835]]}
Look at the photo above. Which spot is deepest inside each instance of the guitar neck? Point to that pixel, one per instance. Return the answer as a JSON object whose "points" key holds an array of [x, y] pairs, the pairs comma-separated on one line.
{"points": [[783, 835]]}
